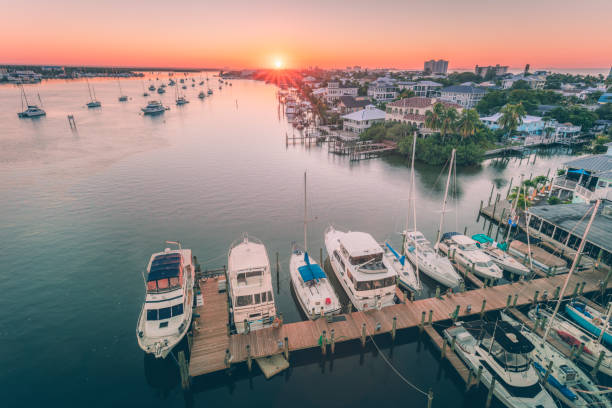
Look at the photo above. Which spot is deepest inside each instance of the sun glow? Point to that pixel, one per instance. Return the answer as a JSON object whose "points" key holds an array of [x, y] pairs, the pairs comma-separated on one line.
{"points": [[278, 63]]}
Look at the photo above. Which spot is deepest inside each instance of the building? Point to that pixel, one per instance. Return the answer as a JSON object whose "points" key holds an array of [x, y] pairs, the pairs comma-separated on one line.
{"points": [[466, 96], [349, 104], [564, 133], [383, 89], [497, 70], [358, 122], [605, 98], [436, 67], [427, 89], [414, 110], [335, 90], [534, 81], [532, 125]]}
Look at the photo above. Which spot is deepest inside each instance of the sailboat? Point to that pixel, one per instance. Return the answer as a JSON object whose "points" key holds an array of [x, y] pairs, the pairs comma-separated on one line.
{"points": [[122, 97], [93, 103], [312, 287], [407, 276], [144, 92], [201, 95], [591, 320], [30, 111], [420, 251], [180, 100]]}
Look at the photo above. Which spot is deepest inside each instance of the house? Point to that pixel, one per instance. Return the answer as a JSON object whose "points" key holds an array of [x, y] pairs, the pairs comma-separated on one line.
{"points": [[428, 89], [383, 89], [498, 70], [466, 96], [534, 81], [532, 125], [602, 125], [587, 178], [335, 90], [605, 98], [563, 132], [413, 111], [359, 121], [349, 104]]}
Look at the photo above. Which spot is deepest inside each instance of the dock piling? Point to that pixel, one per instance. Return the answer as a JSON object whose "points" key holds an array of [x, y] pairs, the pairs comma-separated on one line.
{"points": [[556, 295], [277, 274], [443, 352], [602, 354], [184, 370], [363, 333], [286, 348], [429, 398], [430, 318], [468, 383], [478, 375], [482, 310], [333, 341], [324, 342], [548, 371], [393, 329], [535, 297], [508, 301], [249, 358], [490, 394], [420, 325]]}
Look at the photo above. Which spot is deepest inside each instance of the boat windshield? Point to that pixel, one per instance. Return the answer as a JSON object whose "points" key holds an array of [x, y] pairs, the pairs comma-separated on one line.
{"points": [[257, 298], [487, 264], [512, 362], [375, 284], [164, 284], [468, 247], [358, 260]]}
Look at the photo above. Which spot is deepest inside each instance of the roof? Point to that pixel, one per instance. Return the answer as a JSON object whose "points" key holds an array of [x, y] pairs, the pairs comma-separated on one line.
{"points": [[351, 102], [415, 117], [568, 217], [526, 119], [429, 83], [413, 102], [463, 89], [595, 164], [359, 243], [370, 113], [247, 255], [165, 266], [506, 335]]}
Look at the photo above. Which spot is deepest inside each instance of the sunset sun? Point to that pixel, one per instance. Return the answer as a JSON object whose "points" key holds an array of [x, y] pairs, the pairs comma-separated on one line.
{"points": [[278, 63]]}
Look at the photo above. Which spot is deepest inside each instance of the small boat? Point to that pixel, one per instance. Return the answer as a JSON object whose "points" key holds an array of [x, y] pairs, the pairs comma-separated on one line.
{"points": [[503, 353], [201, 95], [184, 86], [210, 92], [566, 382], [122, 98], [201, 83], [161, 90], [93, 103], [171, 83], [590, 319], [166, 313], [497, 252], [357, 261], [250, 285], [467, 254], [220, 87], [32, 111], [181, 100], [311, 285], [154, 108], [406, 274], [541, 259], [151, 88]]}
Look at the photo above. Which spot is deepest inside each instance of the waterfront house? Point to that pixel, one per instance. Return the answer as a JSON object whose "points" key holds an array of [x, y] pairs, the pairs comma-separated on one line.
{"points": [[534, 81], [383, 89], [348, 104], [466, 96], [359, 121], [336, 89], [413, 111], [564, 133], [532, 125]]}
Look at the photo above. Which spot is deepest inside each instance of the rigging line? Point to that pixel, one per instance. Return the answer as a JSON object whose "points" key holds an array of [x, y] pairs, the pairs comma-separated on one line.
{"points": [[395, 369]]}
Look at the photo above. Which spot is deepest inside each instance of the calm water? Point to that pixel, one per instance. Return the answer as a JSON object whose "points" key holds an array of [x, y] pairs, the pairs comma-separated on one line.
{"points": [[81, 212]]}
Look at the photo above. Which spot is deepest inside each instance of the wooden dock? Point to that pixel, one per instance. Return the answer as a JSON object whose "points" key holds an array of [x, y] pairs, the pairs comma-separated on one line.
{"points": [[213, 349], [453, 359]]}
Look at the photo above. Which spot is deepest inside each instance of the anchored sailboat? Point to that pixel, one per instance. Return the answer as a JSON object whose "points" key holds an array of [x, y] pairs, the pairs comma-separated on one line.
{"points": [[93, 103]]}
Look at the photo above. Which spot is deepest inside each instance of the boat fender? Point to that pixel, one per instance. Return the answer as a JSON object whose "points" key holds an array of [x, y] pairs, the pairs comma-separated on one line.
{"points": [[327, 301]]}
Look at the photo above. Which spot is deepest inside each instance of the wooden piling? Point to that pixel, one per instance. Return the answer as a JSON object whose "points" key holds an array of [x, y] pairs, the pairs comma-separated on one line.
{"points": [[363, 333], [393, 329], [286, 352], [547, 373], [478, 375], [443, 351], [324, 342], [420, 325], [490, 394], [595, 370], [491, 194], [535, 297], [249, 358], [333, 340], [277, 274], [429, 398], [430, 319], [184, 370], [482, 310]]}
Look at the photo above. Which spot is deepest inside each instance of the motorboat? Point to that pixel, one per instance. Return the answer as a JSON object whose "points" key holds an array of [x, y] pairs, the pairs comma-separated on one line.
{"points": [[467, 254], [31, 111], [181, 100], [210, 92], [201, 95], [154, 108], [151, 88], [590, 319], [166, 313], [357, 261], [94, 104], [250, 284], [503, 353], [499, 255]]}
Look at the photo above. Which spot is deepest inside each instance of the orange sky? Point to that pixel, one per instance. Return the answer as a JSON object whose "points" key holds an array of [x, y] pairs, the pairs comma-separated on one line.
{"points": [[241, 34]]}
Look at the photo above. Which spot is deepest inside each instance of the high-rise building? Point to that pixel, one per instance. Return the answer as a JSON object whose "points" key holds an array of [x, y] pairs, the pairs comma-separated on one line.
{"points": [[436, 67], [498, 70]]}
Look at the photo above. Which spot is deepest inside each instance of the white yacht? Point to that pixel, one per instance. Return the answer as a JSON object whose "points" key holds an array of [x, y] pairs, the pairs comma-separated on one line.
{"points": [[166, 313], [406, 274], [499, 255], [503, 353], [250, 284], [31, 111], [154, 108], [357, 260], [437, 267], [312, 287], [468, 255]]}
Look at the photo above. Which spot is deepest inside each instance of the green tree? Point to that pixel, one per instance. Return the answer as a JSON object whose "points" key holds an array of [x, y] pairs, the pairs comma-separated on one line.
{"points": [[512, 117], [448, 122], [467, 123], [433, 118], [521, 84]]}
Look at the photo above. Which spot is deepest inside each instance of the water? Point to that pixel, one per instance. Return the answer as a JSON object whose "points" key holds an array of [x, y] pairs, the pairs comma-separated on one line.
{"points": [[82, 212]]}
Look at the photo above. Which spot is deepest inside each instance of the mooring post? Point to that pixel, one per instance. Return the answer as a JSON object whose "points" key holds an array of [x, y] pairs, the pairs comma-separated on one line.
{"points": [[429, 398], [580, 350], [582, 285], [453, 340], [393, 328], [189, 339], [490, 394], [508, 301], [509, 187], [478, 375], [430, 318], [286, 348], [482, 310], [556, 295], [277, 274], [184, 370], [515, 300], [479, 211], [333, 340], [453, 253], [491, 194], [443, 352], [321, 257], [363, 334], [535, 297], [465, 230], [602, 354], [548, 371], [456, 314], [228, 358], [573, 352], [403, 297], [576, 290], [544, 322], [469, 379], [437, 291], [422, 321], [536, 324], [324, 342], [249, 358]]}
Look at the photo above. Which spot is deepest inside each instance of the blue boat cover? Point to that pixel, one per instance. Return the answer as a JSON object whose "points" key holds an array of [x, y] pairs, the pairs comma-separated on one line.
{"points": [[569, 394], [402, 259], [448, 235], [310, 271], [165, 266]]}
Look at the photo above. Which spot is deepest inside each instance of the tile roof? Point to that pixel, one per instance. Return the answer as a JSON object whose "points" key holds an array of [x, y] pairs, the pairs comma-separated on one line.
{"points": [[414, 117]]}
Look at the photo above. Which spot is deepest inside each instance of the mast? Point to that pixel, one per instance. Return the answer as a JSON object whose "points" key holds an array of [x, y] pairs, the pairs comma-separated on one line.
{"points": [[515, 205], [571, 271], [606, 324], [450, 170], [89, 90], [305, 217], [413, 197]]}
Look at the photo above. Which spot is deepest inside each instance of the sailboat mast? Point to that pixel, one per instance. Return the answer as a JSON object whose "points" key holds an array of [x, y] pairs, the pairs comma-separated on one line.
{"points": [[450, 170], [89, 90], [515, 204], [571, 271], [606, 324], [305, 217], [413, 186]]}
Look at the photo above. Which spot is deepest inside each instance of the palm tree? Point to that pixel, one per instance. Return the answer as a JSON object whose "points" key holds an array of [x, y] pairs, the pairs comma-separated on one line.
{"points": [[467, 123], [433, 117], [448, 121], [512, 117]]}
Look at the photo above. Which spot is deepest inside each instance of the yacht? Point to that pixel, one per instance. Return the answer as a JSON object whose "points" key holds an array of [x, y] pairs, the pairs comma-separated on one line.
{"points": [[498, 254], [201, 95], [407, 277], [181, 100], [93, 103], [154, 108], [210, 92], [503, 353], [437, 267], [151, 87], [590, 319], [122, 97], [250, 284], [31, 111], [357, 260], [468, 255], [312, 287], [166, 314], [566, 382]]}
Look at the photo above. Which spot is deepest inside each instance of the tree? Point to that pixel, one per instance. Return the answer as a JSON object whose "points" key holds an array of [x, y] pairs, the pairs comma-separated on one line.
{"points": [[512, 117], [521, 84], [449, 121], [433, 118], [467, 123]]}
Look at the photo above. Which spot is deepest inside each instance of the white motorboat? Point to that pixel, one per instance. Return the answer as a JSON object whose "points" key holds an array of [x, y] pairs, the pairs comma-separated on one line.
{"points": [[250, 284], [166, 314], [566, 381], [31, 111], [210, 91], [467, 254], [357, 261], [503, 353], [312, 287], [154, 108], [499, 256]]}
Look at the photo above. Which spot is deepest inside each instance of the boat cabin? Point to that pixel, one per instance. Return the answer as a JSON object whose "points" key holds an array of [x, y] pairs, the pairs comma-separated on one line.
{"points": [[165, 273]]}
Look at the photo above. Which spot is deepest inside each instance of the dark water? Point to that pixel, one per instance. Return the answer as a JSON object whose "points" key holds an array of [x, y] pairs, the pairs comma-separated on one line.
{"points": [[81, 212]]}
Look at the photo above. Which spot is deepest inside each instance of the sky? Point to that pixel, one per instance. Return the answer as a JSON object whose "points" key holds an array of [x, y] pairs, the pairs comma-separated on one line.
{"points": [[328, 34]]}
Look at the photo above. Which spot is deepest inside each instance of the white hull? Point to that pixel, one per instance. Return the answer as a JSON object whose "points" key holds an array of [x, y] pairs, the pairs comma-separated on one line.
{"points": [[463, 260], [506, 262], [406, 274], [432, 264]]}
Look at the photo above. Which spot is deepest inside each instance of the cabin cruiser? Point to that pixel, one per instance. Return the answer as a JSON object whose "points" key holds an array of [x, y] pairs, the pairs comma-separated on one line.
{"points": [[406, 274], [357, 260], [161, 90], [566, 382], [32, 111], [467, 254], [419, 250], [166, 314], [94, 104], [181, 100], [503, 353], [201, 95], [210, 92], [589, 319], [154, 108], [498, 254], [250, 284]]}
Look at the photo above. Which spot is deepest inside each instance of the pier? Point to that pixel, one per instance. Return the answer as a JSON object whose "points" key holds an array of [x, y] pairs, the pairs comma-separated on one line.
{"points": [[358, 150]]}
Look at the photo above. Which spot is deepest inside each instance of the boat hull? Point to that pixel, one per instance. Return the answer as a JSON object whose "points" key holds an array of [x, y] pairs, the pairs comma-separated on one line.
{"points": [[587, 324]]}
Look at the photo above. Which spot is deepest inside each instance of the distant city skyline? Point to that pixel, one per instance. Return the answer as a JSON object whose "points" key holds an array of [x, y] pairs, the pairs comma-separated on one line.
{"points": [[561, 34]]}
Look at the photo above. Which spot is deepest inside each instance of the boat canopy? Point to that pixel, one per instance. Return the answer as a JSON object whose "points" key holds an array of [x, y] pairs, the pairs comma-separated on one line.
{"points": [[448, 235], [165, 266], [310, 271], [511, 339], [485, 239]]}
